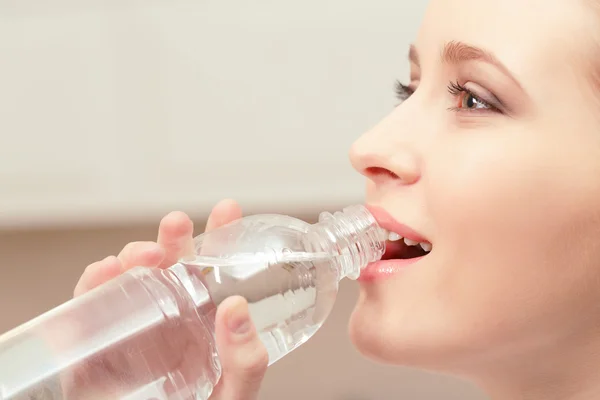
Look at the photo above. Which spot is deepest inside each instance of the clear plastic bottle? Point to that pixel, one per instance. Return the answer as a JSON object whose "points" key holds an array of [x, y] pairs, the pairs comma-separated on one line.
{"points": [[149, 334]]}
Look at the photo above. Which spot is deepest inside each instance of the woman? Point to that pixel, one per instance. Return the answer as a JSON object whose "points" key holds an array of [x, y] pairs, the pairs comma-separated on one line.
{"points": [[493, 158]]}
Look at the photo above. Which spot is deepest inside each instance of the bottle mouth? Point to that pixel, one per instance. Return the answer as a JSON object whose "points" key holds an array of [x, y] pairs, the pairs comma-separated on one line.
{"points": [[383, 234], [360, 239]]}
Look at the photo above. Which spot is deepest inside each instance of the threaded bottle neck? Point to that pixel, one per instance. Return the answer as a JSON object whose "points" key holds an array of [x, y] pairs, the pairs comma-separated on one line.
{"points": [[353, 236]]}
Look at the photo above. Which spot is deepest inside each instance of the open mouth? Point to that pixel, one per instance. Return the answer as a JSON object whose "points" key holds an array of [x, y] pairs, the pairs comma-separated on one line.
{"points": [[399, 248]]}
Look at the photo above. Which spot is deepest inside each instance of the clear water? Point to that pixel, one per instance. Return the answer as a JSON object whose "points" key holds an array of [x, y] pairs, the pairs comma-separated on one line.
{"points": [[288, 299], [121, 342], [142, 337]]}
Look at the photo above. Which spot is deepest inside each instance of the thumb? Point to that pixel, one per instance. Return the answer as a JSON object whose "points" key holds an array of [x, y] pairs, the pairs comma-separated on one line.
{"points": [[243, 356]]}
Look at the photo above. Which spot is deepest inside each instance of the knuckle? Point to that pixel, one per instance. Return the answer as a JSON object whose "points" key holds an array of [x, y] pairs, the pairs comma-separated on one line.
{"points": [[125, 250], [82, 283], [78, 289], [130, 248], [88, 269]]}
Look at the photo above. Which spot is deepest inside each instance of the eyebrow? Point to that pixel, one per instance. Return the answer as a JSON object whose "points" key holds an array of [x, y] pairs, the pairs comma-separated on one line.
{"points": [[458, 52]]}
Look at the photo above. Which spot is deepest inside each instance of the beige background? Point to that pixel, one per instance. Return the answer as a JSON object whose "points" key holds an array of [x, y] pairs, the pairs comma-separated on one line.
{"points": [[114, 112]]}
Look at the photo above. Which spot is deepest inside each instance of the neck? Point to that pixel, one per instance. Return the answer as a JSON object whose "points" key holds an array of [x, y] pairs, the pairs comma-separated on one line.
{"points": [[569, 371]]}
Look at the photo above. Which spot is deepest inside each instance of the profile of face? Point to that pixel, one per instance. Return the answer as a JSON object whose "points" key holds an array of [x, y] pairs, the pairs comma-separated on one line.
{"points": [[493, 156]]}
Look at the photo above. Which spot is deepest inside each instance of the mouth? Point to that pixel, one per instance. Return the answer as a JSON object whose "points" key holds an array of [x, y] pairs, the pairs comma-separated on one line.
{"points": [[404, 247]]}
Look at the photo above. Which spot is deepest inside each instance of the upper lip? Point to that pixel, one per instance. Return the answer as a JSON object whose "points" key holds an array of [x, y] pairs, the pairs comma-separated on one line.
{"points": [[387, 222]]}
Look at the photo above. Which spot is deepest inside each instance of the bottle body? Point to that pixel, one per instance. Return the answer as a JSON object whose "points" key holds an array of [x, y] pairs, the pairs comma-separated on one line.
{"points": [[149, 334], [138, 336]]}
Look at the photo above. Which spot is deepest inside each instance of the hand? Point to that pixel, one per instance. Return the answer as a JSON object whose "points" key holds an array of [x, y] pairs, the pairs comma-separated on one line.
{"points": [[243, 356]]}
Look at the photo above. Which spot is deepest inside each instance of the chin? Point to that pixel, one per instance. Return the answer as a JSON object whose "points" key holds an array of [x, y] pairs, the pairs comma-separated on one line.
{"points": [[369, 343], [400, 337], [370, 334]]}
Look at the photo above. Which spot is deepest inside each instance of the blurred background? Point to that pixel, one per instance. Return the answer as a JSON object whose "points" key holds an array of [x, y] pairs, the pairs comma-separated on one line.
{"points": [[115, 112]]}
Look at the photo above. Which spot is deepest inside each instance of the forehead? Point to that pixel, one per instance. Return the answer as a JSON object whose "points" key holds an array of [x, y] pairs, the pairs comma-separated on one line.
{"points": [[536, 39]]}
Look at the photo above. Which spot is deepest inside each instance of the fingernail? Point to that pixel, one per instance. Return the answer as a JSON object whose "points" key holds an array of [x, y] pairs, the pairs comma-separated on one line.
{"points": [[239, 323]]}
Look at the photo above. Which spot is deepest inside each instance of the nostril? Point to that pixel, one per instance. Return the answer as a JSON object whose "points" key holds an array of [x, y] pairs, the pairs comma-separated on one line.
{"points": [[378, 172]]}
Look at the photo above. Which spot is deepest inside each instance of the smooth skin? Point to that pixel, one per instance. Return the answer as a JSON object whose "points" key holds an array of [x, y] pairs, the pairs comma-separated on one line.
{"points": [[494, 156]]}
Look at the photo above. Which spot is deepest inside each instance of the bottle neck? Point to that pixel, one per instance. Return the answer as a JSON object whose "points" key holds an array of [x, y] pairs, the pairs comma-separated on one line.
{"points": [[353, 237]]}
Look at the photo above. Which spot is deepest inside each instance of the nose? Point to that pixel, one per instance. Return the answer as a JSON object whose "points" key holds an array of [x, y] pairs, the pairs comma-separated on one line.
{"points": [[385, 155]]}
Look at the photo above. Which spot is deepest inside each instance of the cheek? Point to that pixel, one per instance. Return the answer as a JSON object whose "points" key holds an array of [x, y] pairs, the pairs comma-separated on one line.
{"points": [[516, 224], [507, 193]]}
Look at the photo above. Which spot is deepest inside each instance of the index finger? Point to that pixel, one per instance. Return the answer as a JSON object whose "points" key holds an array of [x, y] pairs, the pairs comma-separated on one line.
{"points": [[223, 213], [175, 236]]}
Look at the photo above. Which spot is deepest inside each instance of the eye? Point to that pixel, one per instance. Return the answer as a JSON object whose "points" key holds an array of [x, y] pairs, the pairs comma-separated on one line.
{"points": [[468, 100]]}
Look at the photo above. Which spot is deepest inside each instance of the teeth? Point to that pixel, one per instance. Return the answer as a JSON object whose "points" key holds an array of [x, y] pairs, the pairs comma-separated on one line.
{"points": [[410, 242], [394, 237], [383, 234], [426, 246]]}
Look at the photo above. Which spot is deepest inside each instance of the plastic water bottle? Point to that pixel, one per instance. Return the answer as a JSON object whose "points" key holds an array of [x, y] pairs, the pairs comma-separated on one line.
{"points": [[149, 333]]}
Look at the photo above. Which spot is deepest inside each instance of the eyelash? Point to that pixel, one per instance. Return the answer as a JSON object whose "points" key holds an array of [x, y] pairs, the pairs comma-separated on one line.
{"points": [[403, 92], [456, 89]]}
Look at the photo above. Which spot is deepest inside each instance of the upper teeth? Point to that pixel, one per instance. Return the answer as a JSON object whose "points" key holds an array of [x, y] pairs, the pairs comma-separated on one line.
{"points": [[410, 242], [426, 246], [393, 237]]}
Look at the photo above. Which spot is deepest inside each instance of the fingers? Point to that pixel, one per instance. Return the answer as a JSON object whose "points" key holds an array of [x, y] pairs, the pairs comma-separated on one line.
{"points": [[175, 233], [175, 240], [134, 254], [140, 254], [97, 273], [223, 213], [243, 356], [175, 236]]}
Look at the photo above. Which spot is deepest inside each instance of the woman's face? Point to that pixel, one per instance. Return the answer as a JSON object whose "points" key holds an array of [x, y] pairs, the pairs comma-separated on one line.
{"points": [[495, 160]]}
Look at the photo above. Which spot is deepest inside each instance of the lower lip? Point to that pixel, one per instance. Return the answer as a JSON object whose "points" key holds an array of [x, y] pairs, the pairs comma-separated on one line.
{"points": [[385, 269]]}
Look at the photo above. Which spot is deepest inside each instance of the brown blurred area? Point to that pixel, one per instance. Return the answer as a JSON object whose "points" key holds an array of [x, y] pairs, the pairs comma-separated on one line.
{"points": [[40, 269]]}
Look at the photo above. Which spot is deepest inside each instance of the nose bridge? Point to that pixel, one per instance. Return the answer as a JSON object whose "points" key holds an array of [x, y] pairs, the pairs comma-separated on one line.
{"points": [[391, 145]]}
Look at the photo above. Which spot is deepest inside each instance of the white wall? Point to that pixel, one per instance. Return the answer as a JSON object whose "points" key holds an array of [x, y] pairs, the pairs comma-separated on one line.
{"points": [[115, 112], [123, 110]]}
